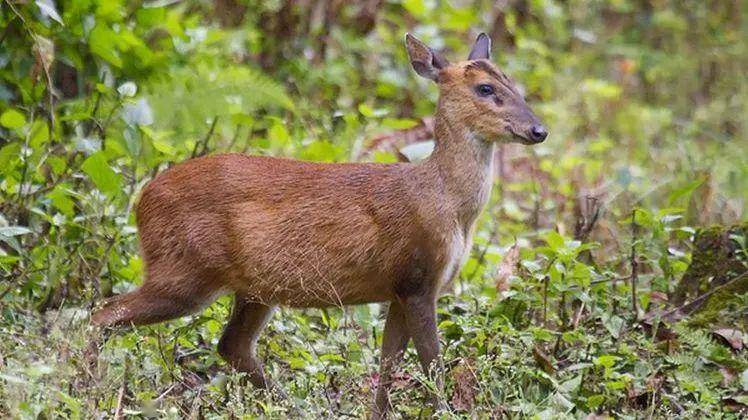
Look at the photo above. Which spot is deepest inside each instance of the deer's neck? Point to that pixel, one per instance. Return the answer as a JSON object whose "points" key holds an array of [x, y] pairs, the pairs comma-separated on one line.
{"points": [[464, 163]]}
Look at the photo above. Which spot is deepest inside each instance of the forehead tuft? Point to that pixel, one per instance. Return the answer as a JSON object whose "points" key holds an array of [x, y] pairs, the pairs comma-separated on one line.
{"points": [[483, 66], [469, 70]]}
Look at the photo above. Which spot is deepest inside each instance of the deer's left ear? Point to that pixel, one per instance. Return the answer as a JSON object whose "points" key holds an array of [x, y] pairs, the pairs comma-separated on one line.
{"points": [[481, 49]]}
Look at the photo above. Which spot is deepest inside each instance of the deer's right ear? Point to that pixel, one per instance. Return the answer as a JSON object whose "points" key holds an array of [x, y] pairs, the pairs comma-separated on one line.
{"points": [[425, 61]]}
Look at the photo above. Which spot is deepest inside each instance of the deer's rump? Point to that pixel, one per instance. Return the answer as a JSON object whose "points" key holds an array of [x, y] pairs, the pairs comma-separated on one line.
{"points": [[282, 231]]}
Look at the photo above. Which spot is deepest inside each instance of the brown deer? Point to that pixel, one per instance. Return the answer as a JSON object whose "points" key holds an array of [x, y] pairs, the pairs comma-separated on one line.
{"points": [[285, 232]]}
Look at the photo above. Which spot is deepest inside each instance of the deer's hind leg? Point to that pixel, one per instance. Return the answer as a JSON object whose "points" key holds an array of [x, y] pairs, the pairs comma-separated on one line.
{"points": [[160, 298], [238, 345]]}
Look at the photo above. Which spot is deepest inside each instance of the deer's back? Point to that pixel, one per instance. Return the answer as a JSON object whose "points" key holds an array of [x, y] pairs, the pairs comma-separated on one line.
{"points": [[292, 232]]}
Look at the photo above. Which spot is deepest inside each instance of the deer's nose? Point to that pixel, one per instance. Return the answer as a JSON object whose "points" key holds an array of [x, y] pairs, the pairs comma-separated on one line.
{"points": [[538, 133]]}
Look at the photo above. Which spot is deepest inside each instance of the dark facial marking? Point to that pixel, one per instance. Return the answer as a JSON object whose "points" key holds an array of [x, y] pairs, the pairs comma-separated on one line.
{"points": [[486, 67]]}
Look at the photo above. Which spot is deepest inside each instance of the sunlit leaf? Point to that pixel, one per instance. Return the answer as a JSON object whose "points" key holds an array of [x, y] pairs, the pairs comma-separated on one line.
{"points": [[106, 180], [12, 119]]}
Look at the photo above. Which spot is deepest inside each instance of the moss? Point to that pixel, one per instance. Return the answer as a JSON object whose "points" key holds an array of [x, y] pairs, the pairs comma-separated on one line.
{"points": [[716, 260], [722, 306]]}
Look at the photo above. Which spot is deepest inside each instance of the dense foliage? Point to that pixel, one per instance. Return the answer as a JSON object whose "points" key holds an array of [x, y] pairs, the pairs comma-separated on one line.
{"points": [[646, 104]]}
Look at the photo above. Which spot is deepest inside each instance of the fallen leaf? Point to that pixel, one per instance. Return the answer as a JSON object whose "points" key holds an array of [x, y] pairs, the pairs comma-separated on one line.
{"points": [[543, 360], [728, 375], [507, 268], [734, 338], [662, 332], [658, 297], [736, 404], [401, 380], [463, 398]]}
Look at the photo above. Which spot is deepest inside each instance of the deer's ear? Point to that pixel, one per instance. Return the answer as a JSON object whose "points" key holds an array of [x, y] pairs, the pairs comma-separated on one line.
{"points": [[481, 49], [425, 61]]}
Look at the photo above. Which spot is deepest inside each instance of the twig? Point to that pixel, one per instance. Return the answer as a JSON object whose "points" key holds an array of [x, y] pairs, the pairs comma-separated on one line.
{"points": [[205, 140], [195, 411], [546, 280], [44, 65], [577, 316], [21, 198], [634, 265], [121, 395], [236, 137]]}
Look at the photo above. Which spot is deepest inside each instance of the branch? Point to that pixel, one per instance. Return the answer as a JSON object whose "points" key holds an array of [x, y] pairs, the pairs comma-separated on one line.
{"points": [[205, 140]]}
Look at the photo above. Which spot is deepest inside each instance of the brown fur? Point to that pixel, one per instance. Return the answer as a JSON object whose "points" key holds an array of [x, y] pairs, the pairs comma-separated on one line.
{"points": [[284, 232]]}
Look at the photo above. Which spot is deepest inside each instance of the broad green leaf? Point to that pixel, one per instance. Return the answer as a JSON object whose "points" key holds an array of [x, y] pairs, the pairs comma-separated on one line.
{"points": [[12, 119], [606, 360], [278, 134], [106, 180], [9, 231], [39, 134], [416, 8], [61, 201], [8, 153], [103, 42], [595, 401], [684, 191], [554, 240]]}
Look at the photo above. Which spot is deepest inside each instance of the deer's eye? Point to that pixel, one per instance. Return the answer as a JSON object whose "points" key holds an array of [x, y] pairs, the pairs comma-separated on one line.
{"points": [[485, 90]]}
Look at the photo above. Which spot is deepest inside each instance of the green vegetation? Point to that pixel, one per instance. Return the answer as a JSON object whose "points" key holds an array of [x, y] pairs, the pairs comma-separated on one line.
{"points": [[646, 103]]}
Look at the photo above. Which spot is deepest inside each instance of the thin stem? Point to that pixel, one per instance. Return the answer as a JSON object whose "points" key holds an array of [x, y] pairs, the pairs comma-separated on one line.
{"points": [[634, 265]]}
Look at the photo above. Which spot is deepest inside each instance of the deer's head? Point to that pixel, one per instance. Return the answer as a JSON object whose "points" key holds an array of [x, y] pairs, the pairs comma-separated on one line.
{"points": [[478, 94]]}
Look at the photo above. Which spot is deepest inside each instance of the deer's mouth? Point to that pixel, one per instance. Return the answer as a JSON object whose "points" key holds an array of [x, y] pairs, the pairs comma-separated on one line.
{"points": [[518, 137]]}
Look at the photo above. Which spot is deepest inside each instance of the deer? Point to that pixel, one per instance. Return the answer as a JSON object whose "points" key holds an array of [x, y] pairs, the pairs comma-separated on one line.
{"points": [[276, 231]]}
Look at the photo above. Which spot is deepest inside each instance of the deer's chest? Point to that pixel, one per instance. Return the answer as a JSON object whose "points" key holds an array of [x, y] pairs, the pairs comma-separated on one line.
{"points": [[456, 249]]}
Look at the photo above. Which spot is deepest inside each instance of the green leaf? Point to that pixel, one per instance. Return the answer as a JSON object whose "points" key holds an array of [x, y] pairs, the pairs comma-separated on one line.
{"points": [[595, 401], [103, 42], [614, 324], [9, 231], [61, 201], [8, 154], [684, 191], [416, 8], [39, 134], [106, 180], [606, 360], [278, 134], [554, 240], [399, 123], [12, 119]]}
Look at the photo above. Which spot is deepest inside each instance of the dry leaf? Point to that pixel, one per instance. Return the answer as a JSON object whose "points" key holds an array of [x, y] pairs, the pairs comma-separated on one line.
{"points": [[401, 379], [734, 338], [463, 398], [507, 268], [543, 360], [658, 297], [736, 404], [728, 375], [44, 53], [661, 333]]}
